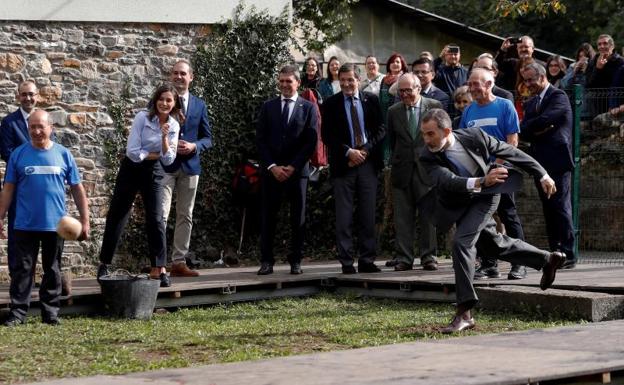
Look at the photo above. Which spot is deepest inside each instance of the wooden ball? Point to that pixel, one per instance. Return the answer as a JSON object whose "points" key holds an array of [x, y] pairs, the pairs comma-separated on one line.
{"points": [[69, 228]]}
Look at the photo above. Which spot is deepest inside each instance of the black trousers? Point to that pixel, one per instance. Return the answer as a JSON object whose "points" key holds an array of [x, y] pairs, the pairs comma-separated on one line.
{"points": [[273, 192], [509, 217], [356, 191], [558, 214], [26, 247], [144, 178]]}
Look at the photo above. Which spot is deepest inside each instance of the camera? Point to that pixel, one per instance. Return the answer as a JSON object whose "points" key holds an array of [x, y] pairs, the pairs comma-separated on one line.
{"points": [[453, 49]]}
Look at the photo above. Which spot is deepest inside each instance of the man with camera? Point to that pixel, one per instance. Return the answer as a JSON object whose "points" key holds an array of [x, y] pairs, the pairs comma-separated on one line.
{"points": [[511, 51], [452, 74]]}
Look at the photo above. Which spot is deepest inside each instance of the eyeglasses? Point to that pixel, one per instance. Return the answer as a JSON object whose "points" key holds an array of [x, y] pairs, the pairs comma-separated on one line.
{"points": [[28, 94], [486, 68], [534, 79], [407, 90], [415, 72]]}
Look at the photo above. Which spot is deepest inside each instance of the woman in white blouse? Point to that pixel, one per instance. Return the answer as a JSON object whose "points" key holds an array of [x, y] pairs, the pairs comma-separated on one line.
{"points": [[153, 139]]}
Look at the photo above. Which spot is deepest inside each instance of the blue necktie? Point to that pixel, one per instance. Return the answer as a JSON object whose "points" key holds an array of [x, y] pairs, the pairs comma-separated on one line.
{"points": [[459, 168], [285, 113]]}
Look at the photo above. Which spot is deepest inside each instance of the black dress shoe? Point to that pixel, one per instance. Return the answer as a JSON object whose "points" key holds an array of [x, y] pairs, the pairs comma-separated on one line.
{"points": [[295, 268], [53, 321], [368, 268], [403, 266], [13, 321], [430, 265], [350, 269], [458, 324], [555, 261], [487, 273], [266, 269], [517, 272], [569, 264], [164, 280], [102, 271], [392, 262]]}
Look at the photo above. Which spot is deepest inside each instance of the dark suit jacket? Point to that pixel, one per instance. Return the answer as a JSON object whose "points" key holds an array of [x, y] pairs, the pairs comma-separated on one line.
{"points": [[13, 133], [453, 198], [502, 93], [336, 135], [295, 145], [406, 150], [549, 129], [439, 95], [196, 129]]}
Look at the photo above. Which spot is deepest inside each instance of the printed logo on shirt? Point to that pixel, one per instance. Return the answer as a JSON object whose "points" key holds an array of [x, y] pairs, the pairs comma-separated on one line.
{"points": [[483, 122], [42, 170]]}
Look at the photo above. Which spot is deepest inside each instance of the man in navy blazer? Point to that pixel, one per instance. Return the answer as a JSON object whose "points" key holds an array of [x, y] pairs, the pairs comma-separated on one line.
{"points": [[547, 125], [286, 138], [458, 163], [352, 130], [183, 174], [14, 133]]}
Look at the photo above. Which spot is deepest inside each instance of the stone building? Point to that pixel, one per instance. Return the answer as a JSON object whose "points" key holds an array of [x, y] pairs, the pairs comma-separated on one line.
{"points": [[82, 55]]}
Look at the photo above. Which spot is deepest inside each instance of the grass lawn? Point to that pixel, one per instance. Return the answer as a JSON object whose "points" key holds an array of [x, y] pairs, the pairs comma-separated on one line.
{"points": [[84, 346]]}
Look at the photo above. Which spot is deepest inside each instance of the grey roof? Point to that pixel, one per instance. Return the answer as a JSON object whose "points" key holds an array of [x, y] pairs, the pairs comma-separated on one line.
{"points": [[461, 30]]}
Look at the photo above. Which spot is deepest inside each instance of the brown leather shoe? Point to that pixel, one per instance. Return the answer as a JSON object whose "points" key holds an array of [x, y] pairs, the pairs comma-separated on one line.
{"points": [[458, 324], [555, 261], [179, 269]]}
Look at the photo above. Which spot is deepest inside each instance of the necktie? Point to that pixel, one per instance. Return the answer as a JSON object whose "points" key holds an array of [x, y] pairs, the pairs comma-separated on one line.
{"points": [[456, 164], [285, 113], [182, 105], [413, 121], [537, 103], [358, 140]]}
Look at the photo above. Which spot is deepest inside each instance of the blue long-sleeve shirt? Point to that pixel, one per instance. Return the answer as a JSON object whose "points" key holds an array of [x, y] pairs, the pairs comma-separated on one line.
{"points": [[145, 137]]}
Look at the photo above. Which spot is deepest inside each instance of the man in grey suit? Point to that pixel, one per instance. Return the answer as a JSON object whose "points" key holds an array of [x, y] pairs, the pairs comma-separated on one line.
{"points": [[410, 184], [468, 191]]}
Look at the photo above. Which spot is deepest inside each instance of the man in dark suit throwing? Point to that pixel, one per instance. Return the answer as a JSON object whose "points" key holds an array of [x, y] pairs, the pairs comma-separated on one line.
{"points": [[286, 138], [410, 183], [352, 130], [547, 125], [458, 164]]}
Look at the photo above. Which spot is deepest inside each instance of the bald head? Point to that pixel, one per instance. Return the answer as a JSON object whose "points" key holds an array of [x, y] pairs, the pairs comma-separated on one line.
{"points": [[40, 129], [480, 84]]}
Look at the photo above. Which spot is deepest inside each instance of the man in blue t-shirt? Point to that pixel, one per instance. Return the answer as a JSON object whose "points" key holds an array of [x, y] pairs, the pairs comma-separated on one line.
{"points": [[35, 177], [498, 118]]}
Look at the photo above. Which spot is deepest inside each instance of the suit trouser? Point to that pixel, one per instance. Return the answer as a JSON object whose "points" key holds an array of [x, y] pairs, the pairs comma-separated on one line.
{"points": [[406, 206], [144, 178], [558, 214], [508, 215], [358, 183], [476, 224], [185, 187], [27, 244], [295, 189]]}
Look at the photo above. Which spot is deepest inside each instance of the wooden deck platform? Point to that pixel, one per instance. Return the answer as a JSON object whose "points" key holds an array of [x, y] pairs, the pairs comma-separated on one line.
{"points": [[242, 284]]}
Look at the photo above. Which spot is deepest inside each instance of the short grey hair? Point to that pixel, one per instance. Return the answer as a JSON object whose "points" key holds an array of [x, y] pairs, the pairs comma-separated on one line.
{"points": [[410, 75], [439, 116], [608, 37], [538, 68]]}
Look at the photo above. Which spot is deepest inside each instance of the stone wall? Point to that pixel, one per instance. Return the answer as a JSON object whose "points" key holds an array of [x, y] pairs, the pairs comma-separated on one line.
{"points": [[79, 69]]}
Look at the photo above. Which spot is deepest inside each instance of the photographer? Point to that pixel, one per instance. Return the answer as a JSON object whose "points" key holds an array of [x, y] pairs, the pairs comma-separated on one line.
{"points": [[508, 56], [452, 74]]}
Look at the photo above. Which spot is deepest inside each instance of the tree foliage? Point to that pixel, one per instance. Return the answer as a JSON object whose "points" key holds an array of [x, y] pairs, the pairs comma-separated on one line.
{"points": [[235, 71], [558, 26], [322, 22]]}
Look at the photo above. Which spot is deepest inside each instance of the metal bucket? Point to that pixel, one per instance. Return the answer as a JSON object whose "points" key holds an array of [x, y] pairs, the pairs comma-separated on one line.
{"points": [[129, 296]]}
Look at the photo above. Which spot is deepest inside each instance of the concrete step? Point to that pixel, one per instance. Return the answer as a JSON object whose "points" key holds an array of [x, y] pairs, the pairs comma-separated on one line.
{"points": [[591, 306]]}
